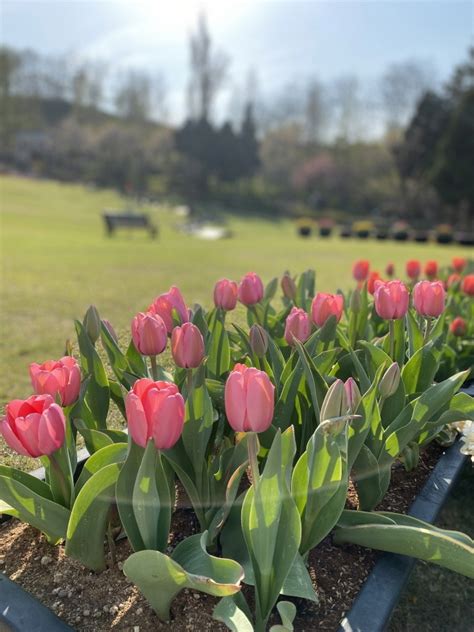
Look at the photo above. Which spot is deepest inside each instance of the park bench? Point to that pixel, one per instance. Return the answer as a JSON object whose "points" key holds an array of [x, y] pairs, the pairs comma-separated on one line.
{"points": [[128, 220]]}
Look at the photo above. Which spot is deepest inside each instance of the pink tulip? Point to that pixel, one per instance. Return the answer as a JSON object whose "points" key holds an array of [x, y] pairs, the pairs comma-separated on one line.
{"points": [[249, 396], [149, 333], [57, 377], [225, 294], [35, 426], [391, 299], [155, 410], [429, 298], [360, 270], [250, 289], [431, 269], [297, 326], [164, 305], [326, 305], [187, 346]]}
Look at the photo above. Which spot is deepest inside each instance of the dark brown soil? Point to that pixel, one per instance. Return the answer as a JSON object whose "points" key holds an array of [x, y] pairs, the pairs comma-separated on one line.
{"points": [[108, 601]]}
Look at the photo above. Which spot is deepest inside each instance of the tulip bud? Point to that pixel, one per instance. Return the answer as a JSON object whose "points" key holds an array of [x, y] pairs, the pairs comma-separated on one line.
{"points": [[155, 410], [352, 394], [288, 286], [390, 381], [251, 289], [326, 305], [249, 399], [391, 299], [258, 340], [149, 333], [390, 270], [355, 303], [187, 346], [92, 324], [429, 298], [335, 402], [108, 325], [297, 326], [458, 327], [225, 294]]}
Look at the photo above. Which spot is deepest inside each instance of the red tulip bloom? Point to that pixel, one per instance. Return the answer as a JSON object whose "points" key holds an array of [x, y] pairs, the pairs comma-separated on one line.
{"points": [[413, 269], [360, 270], [373, 277], [459, 263], [458, 327], [431, 269], [167, 303], [57, 377], [326, 305], [468, 285], [34, 427]]}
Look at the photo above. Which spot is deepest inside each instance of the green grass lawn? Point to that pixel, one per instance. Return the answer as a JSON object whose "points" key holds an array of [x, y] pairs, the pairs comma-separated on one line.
{"points": [[56, 260]]}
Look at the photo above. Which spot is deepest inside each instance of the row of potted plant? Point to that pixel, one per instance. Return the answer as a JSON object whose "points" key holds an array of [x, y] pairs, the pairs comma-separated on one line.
{"points": [[264, 426], [399, 231]]}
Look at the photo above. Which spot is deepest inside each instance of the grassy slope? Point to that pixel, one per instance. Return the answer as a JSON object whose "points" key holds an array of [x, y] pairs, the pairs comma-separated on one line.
{"points": [[56, 260]]}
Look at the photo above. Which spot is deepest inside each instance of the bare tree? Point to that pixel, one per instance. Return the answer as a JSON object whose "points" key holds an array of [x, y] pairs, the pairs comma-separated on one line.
{"points": [[208, 72], [316, 111], [133, 99], [401, 87], [347, 106]]}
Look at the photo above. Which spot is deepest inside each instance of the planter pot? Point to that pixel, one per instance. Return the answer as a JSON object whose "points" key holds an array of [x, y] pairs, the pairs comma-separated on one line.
{"points": [[401, 235], [345, 233], [464, 239], [363, 234], [381, 235], [444, 238], [325, 232], [21, 612], [383, 588], [304, 231], [421, 237]]}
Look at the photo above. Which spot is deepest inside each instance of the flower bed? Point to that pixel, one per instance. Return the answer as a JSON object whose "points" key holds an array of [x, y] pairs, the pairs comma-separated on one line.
{"points": [[280, 434]]}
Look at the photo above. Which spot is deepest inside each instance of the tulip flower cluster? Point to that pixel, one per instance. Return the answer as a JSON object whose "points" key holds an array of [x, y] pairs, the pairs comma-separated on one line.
{"points": [[254, 420]]}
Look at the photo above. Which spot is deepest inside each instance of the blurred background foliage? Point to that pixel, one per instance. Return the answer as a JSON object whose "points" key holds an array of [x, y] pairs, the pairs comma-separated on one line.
{"points": [[303, 154]]}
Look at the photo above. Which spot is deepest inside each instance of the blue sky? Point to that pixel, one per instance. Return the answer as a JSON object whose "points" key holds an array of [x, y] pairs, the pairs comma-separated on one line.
{"points": [[283, 41]]}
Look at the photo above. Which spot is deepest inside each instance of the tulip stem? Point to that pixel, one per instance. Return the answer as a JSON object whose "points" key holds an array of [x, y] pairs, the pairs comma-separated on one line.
{"points": [[427, 331], [189, 389], [61, 487], [154, 368], [391, 333], [253, 448]]}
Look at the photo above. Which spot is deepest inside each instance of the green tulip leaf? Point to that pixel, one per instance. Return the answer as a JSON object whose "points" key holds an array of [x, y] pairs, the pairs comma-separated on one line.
{"points": [[89, 515], [29, 499], [160, 578]]}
